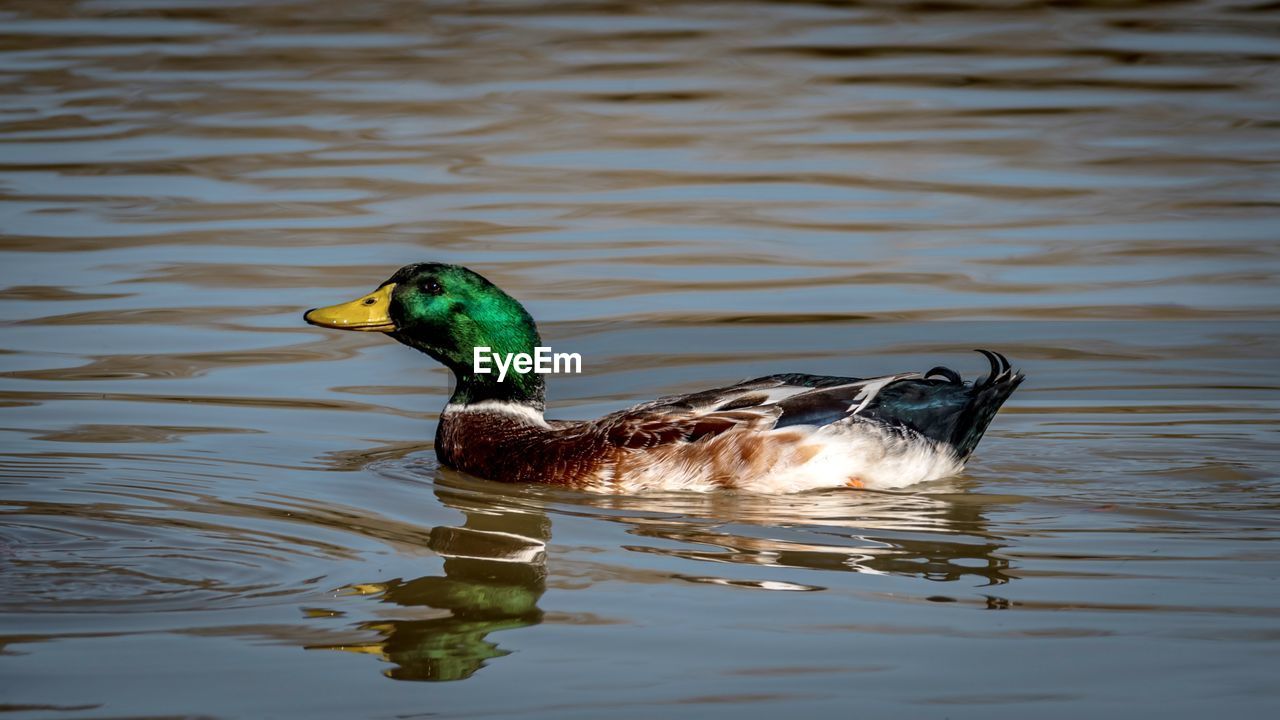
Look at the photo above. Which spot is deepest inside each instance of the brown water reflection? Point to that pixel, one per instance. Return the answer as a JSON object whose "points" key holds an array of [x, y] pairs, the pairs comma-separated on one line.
{"points": [[685, 194]]}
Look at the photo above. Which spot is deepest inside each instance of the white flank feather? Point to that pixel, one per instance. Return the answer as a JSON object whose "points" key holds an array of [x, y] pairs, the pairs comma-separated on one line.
{"points": [[850, 453]]}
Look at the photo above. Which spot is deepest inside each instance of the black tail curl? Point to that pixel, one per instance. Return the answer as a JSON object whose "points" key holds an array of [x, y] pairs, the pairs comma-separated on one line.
{"points": [[944, 408], [985, 399]]}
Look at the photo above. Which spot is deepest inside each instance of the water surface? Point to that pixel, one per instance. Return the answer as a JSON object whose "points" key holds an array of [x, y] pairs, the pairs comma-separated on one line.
{"points": [[208, 508]]}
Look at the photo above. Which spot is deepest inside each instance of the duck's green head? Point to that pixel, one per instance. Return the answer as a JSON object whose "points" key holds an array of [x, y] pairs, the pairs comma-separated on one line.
{"points": [[446, 311]]}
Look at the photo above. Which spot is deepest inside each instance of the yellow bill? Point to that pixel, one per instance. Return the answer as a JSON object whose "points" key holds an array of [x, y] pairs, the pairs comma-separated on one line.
{"points": [[371, 313]]}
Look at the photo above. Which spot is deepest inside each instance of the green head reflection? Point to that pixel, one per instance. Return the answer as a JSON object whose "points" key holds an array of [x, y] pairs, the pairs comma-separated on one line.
{"points": [[494, 574]]}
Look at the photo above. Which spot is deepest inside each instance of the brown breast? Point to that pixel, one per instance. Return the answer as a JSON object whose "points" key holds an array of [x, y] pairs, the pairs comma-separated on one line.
{"points": [[505, 447]]}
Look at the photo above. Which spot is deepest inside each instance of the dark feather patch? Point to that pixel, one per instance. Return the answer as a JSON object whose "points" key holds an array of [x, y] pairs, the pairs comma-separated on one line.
{"points": [[744, 401]]}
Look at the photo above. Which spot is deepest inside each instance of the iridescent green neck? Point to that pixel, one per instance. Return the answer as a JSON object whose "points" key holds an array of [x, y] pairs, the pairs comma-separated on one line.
{"points": [[469, 312], [523, 388]]}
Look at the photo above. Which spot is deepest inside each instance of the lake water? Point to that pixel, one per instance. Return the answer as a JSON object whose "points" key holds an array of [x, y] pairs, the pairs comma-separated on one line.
{"points": [[208, 508]]}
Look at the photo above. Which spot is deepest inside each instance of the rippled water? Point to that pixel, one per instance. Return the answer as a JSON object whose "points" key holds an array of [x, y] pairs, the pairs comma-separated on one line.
{"points": [[211, 509]]}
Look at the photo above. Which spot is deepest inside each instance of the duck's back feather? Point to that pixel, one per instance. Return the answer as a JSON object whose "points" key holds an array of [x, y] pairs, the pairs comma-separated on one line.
{"points": [[938, 405]]}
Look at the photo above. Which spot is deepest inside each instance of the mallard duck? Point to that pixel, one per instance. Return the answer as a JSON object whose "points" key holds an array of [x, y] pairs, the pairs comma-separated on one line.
{"points": [[781, 433]]}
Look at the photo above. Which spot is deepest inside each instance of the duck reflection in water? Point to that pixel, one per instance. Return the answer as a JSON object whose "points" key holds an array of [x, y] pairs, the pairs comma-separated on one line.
{"points": [[940, 535], [495, 572], [495, 563]]}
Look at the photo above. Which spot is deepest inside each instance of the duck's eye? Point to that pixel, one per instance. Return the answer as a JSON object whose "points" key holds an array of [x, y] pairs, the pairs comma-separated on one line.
{"points": [[432, 287]]}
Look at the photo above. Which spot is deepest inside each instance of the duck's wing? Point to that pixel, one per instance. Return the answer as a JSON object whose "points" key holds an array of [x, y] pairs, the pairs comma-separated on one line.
{"points": [[637, 429], [757, 404], [937, 405], [758, 392]]}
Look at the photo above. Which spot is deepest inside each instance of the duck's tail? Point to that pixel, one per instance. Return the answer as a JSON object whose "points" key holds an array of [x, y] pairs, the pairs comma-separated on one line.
{"points": [[985, 399], [944, 408]]}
